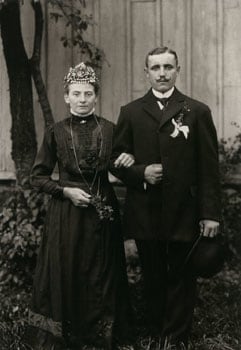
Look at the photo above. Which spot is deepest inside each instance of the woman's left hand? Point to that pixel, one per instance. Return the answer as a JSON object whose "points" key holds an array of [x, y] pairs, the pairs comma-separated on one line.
{"points": [[124, 160]]}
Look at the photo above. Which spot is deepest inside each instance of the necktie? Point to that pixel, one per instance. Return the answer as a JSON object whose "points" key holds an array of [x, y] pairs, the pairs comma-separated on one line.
{"points": [[164, 101]]}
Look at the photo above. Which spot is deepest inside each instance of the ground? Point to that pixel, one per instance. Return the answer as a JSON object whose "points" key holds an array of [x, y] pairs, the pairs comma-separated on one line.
{"points": [[217, 319]]}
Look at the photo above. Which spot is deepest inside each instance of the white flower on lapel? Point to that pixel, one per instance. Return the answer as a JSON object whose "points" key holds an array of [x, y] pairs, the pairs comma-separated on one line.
{"points": [[178, 127], [178, 122]]}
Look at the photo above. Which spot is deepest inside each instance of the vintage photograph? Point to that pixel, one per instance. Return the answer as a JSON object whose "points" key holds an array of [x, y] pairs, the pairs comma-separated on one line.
{"points": [[120, 175]]}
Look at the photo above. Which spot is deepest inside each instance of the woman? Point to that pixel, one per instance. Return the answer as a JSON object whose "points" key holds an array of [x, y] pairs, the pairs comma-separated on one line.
{"points": [[80, 286]]}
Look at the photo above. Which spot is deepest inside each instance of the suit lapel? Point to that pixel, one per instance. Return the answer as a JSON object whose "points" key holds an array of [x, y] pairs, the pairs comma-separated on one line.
{"points": [[174, 106], [151, 107]]}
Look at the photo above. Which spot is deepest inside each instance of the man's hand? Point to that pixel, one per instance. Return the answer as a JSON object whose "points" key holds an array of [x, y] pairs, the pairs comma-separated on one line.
{"points": [[78, 197], [209, 228], [153, 173], [125, 159]]}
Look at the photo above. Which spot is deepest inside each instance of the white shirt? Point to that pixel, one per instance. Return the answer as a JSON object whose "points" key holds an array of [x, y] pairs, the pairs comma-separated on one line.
{"points": [[159, 94]]}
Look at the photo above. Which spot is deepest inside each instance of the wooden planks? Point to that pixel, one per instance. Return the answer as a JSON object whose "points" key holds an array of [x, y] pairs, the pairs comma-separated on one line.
{"points": [[205, 34]]}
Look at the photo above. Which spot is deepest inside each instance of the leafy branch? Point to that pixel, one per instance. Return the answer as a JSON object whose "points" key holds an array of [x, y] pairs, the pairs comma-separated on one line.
{"points": [[79, 22]]}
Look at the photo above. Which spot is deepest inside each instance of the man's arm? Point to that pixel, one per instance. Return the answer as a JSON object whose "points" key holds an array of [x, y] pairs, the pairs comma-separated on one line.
{"points": [[208, 176], [136, 175], [123, 142]]}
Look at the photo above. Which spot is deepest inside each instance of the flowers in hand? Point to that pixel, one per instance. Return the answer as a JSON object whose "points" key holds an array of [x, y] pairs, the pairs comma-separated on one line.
{"points": [[178, 123], [104, 211]]}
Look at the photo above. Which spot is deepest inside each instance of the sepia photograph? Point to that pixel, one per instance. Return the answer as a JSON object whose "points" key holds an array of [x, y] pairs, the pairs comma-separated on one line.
{"points": [[120, 175]]}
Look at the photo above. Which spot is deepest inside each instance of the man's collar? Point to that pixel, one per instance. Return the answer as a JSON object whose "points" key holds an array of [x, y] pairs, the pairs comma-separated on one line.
{"points": [[166, 94]]}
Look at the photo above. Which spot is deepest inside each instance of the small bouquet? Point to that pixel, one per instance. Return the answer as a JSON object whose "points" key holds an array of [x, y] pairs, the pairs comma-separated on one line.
{"points": [[105, 212]]}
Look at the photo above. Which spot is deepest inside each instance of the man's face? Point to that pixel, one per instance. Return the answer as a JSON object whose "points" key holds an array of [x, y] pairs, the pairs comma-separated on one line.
{"points": [[81, 98], [162, 71]]}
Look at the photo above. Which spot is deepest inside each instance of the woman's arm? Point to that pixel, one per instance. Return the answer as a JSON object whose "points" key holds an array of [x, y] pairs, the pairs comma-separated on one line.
{"points": [[40, 177]]}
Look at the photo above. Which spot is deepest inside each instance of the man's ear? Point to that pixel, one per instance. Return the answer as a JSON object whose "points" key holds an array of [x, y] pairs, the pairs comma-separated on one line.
{"points": [[146, 71]]}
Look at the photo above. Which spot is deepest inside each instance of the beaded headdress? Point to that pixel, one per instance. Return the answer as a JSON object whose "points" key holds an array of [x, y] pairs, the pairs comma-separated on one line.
{"points": [[81, 73]]}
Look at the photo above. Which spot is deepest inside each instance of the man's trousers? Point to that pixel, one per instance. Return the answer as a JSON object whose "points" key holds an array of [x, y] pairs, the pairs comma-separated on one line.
{"points": [[170, 289]]}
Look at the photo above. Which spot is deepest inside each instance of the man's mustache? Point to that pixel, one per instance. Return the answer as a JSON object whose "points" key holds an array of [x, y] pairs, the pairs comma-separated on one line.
{"points": [[162, 80]]}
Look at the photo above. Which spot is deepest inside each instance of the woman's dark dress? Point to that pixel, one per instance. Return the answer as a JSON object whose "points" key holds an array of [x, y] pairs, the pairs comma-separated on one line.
{"points": [[80, 284]]}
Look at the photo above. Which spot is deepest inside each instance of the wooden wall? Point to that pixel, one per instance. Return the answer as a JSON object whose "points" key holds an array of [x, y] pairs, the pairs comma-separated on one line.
{"points": [[205, 34]]}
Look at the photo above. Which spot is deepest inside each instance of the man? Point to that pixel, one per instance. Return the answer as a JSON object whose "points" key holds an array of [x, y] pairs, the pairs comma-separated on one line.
{"points": [[172, 191]]}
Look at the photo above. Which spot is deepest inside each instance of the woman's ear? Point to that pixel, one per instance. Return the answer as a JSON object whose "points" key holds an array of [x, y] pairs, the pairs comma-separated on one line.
{"points": [[66, 98]]}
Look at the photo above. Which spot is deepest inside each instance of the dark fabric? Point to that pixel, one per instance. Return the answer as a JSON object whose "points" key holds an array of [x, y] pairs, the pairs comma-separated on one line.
{"points": [[190, 188], [164, 101], [80, 285], [170, 295], [207, 256], [164, 218], [40, 339]]}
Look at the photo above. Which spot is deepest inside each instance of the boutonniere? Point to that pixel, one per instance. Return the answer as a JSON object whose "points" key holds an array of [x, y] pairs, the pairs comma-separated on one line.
{"points": [[178, 122]]}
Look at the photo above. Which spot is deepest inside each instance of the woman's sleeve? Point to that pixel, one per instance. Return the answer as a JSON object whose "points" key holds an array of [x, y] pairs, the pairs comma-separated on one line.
{"points": [[40, 177], [123, 142]]}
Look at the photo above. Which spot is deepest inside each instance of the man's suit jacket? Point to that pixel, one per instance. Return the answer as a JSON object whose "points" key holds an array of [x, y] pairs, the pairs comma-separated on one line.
{"points": [[189, 190]]}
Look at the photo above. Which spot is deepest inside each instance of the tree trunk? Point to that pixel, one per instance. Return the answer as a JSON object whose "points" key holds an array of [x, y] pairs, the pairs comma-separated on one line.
{"points": [[24, 145], [35, 65]]}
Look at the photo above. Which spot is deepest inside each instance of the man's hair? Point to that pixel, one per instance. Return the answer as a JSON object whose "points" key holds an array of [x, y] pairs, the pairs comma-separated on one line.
{"points": [[159, 50]]}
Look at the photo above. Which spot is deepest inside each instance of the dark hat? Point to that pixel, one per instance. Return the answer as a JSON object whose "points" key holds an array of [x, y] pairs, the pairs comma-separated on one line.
{"points": [[206, 257]]}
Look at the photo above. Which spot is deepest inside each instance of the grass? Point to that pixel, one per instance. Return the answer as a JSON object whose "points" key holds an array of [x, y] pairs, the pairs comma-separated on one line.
{"points": [[217, 318]]}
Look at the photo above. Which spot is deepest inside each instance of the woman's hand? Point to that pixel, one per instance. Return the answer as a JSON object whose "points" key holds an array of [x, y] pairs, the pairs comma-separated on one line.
{"points": [[125, 159], [78, 197]]}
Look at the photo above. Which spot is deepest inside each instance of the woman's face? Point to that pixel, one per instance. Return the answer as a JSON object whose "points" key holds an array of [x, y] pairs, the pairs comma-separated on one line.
{"points": [[81, 98]]}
